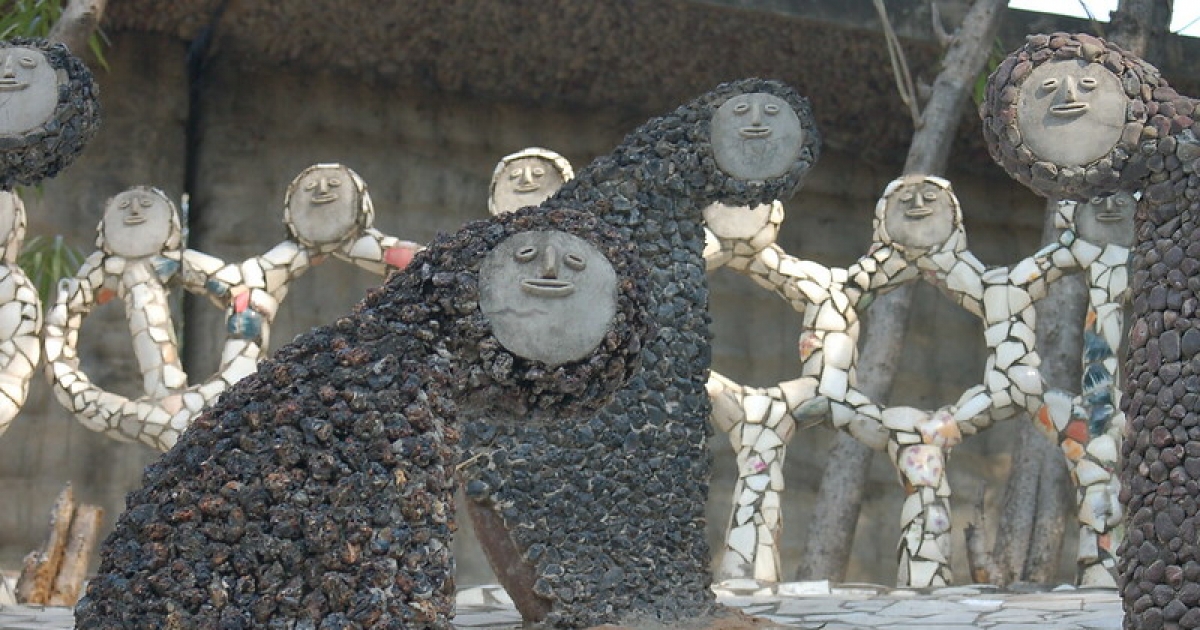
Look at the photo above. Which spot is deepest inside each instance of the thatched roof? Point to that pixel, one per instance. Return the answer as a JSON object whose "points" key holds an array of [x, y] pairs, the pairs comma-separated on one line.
{"points": [[637, 55]]}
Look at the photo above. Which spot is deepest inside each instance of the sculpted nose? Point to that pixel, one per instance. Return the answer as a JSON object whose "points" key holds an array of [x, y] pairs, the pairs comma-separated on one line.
{"points": [[756, 114], [550, 263], [1070, 90], [8, 72]]}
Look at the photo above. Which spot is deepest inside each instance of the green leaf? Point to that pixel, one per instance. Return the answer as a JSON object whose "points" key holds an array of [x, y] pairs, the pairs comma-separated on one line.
{"points": [[46, 260]]}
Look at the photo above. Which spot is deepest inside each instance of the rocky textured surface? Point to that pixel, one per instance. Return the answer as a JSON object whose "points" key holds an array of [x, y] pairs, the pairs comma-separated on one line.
{"points": [[1157, 154], [605, 513], [29, 157], [318, 491]]}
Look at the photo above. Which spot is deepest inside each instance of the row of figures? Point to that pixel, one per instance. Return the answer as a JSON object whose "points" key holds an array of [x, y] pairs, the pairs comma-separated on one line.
{"points": [[140, 258], [918, 235]]}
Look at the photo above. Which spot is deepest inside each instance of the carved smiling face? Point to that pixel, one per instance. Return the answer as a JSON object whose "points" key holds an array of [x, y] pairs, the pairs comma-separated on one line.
{"points": [[322, 205], [1071, 112], [1107, 220], [137, 223], [28, 89], [549, 295], [526, 181], [756, 136], [919, 214]]}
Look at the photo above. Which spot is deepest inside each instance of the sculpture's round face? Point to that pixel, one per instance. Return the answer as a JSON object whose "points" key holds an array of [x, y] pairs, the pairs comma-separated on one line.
{"points": [[1107, 220], [28, 90], [137, 223], [739, 223], [526, 181], [550, 296], [919, 215], [756, 136], [323, 206], [1071, 112]]}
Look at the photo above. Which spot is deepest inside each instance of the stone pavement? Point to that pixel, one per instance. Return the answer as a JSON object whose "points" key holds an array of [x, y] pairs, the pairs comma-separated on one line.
{"points": [[811, 605]]}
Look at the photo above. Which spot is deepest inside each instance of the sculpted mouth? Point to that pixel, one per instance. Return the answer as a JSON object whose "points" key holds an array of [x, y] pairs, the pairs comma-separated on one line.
{"points": [[12, 85], [1069, 109], [918, 213], [545, 287], [527, 188], [755, 132], [1109, 217], [135, 219], [324, 198]]}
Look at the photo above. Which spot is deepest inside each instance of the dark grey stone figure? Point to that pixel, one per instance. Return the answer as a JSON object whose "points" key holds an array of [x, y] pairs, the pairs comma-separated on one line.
{"points": [[49, 109], [1076, 117], [601, 519], [318, 492]]}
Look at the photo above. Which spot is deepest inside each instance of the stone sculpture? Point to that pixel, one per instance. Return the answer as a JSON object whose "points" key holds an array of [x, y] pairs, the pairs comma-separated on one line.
{"points": [[601, 520], [1089, 426], [527, 178], [1151, 148], [918, 234], [327, 212], [20, 313], [49, 109], [140, 257], [318, 492]]}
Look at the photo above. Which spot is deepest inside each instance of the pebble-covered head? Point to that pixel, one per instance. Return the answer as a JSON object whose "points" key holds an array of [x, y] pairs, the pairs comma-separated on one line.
{"points": [[919, 214], [1066, 115], [548, 309], [758, 139], [326, 205], [49, 109]]}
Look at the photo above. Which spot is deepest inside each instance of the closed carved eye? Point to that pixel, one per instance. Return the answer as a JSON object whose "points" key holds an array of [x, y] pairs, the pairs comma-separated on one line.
{"points": [[28, 62], [575, 261], [525, 254], [741, 108]]}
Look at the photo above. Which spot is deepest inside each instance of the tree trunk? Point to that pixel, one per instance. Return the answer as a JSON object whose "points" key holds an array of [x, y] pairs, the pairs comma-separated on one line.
{"points": [[75, 26], [1037, 504], [827, 548]]}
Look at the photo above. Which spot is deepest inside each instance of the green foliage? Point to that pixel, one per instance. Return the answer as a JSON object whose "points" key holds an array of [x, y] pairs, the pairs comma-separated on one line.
{"points": [[46, 259], [997, 55], [34, 18]]}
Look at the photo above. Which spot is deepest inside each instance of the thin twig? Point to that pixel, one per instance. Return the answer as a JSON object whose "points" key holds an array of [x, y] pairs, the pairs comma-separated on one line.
{"points": [[904, 82]]}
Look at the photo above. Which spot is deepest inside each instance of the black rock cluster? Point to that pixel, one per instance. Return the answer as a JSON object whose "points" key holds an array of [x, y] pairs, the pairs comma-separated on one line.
{"points": [[600, 519], [1159, 155], [29, 157], [317, 492]]}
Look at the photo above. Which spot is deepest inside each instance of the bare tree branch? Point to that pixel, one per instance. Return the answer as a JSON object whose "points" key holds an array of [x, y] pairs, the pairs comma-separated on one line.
{"points": [[80, 19]]}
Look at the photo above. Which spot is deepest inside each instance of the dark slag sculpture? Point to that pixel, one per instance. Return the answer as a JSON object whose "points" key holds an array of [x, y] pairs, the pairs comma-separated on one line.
{"points": [[601, 519], [1077, 117], [318, 492]]}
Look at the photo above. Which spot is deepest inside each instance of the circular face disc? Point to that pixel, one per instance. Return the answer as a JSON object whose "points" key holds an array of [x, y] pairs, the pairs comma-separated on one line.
{"points": [[137, 223], [550, 296], [1107, 220], [28, 90], [756, 136], [1071, 112], [919, 215], [323, 206]]}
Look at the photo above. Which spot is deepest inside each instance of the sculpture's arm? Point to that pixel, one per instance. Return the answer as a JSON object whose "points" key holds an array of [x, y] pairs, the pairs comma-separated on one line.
{"points": [[377, 252]]}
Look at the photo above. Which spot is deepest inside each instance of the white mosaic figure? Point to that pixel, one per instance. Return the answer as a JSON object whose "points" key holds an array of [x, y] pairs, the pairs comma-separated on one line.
{"points": [[1088, 426], [327, 212], [140, 256], [20, 313], [527, 178], [918, 231]]}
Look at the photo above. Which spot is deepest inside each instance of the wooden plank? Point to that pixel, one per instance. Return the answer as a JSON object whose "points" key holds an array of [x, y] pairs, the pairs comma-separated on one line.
{"points": [[85, 531], [40, 567]]}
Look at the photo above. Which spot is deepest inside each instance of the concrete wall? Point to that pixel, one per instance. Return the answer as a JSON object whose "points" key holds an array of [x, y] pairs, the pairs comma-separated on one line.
{"points": [[427, 159]]}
